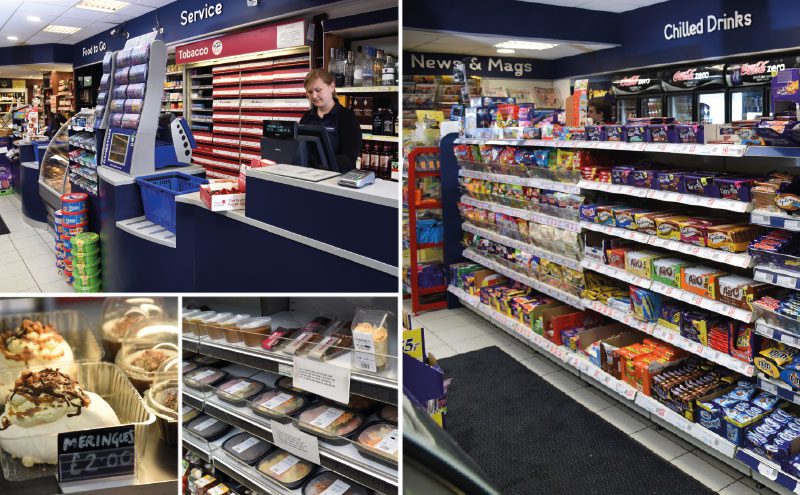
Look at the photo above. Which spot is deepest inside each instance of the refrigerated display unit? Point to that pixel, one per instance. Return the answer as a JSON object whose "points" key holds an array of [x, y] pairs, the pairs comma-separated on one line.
{"points": [[749, 83], [651, 106], [696, 94], [637, 94]]}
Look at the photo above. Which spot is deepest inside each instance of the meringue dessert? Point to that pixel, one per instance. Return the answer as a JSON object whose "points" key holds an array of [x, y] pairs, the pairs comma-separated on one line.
{"points": [[33, 344], [43, 404]]}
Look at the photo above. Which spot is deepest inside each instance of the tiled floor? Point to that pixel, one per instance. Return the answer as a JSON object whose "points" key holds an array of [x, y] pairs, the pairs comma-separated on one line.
{"points": [[27, 254], [452, 332]]}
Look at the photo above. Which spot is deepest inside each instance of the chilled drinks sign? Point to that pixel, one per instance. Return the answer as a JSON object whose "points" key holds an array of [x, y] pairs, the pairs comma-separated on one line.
{"points": [[710, 24]]}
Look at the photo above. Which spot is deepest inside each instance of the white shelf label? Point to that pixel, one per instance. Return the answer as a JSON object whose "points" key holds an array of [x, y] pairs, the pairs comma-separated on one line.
{"points": [[294, 441], [767, 471], [329, 381]]}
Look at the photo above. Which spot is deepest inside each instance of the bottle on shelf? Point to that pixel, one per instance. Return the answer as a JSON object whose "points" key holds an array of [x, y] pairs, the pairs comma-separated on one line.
{"points": [[348, 70], [383, 163], [375, 159], [388, 128], [366, 150], [340, 68], [388, 75], [367, 67], [377, 122], [332, 63], [358, 68], [377, 68]]}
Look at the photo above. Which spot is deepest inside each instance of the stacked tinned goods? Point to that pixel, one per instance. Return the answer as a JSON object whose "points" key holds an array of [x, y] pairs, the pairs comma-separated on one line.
{"points": [[71, 220], [86, 262]]}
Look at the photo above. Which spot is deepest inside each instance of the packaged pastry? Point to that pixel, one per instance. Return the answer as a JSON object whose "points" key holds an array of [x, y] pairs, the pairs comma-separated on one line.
{"points": [[122, 313], [700, 280], [276, 403], [279, 337], [379, 440], [215, 327], [640, 262], [731, 237], [668, 227], [238, 391], [668, 271], [286, 469], [338, 343], [605, 215], [646, 222], [330, 483], [249, 331], [332, 423], [208, 428], [204, 378], [162, 398], [246, 447], [694, 230], [145, 347], [625, 218]]}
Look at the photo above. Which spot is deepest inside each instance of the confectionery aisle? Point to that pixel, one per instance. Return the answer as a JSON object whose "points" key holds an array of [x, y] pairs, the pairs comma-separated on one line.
{"points": [[290, 396], [90, 399], [465, 333]]}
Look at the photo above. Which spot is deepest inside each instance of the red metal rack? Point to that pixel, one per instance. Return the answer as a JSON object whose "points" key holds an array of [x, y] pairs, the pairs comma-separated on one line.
{"points": [[413, 206]]}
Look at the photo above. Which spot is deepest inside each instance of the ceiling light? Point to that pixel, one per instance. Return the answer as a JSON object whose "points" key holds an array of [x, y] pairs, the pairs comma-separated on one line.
{"points": [[526, 45], [109, 6], [505, 50], [53, 28], [33, 18], [12, 38]]}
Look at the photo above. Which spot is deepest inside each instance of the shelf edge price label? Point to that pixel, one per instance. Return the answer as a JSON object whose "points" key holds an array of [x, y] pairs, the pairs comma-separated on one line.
{"points": [[96, 453]]}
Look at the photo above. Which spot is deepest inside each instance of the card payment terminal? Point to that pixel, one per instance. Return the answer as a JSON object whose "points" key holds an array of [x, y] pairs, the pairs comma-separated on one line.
{"points": [[357, 179]]}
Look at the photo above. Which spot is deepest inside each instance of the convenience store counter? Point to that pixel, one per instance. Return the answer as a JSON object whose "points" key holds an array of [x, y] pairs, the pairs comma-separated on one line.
{"points": [[294, 235]]}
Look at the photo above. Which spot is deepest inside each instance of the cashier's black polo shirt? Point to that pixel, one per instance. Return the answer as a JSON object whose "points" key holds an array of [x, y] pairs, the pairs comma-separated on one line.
{"points": [[344, 131]]}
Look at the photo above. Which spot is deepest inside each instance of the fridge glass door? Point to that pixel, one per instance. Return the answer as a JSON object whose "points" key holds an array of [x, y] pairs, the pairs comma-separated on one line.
{"points": [[711, 108], [680, 107], [652, 106], [747, 104], [626, 109]]}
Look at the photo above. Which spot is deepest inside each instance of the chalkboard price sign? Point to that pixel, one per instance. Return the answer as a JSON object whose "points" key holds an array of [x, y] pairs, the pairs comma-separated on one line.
{"points": [[96, 453]]}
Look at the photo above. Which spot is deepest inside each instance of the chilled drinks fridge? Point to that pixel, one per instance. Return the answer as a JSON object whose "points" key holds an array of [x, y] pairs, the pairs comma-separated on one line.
{"points": [[637, 90], [747, 104], [652, 106], [711, 107], [680, 107], [626, 109]]}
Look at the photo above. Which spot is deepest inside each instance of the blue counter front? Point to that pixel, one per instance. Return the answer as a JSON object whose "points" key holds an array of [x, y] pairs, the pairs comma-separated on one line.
{"points": [[293, 237]]}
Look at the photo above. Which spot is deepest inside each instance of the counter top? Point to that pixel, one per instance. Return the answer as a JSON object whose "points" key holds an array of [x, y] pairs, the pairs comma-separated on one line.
{"points": [[31, 165], [382, 192], [119, 179], [238, 215]]}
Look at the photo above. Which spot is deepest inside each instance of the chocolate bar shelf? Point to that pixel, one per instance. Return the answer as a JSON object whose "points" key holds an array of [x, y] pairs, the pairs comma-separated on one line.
{"points": [[344, 459], [522, 181], [669, 196], [779, 334], [774, 219], [528, 336], [776, 276], [729, 150], [533, 216], [616, 273], [779, 388], [694, 430], [740, 260], [703, 302], [551, 291], [768, 469], [671, 337], [523, 246]]}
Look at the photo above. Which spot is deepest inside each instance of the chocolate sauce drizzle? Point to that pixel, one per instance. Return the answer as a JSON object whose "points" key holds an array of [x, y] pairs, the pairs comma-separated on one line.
{"points": [[48, 386], [46, 332]]}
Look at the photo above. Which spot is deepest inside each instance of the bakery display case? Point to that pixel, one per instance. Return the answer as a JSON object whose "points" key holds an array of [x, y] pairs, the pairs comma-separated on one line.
{"points": [[246, 371], [53, 181]]}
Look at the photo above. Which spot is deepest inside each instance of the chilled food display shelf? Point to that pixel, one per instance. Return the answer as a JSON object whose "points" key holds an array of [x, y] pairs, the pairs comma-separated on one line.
{"points": [[551, 291], [668, 196], [190, 342], [521, 245], [740, 260], [343, 459], [533, 216], [672, 337], [523, 181]]}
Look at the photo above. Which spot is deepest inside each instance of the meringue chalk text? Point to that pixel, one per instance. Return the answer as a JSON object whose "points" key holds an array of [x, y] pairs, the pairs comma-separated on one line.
{"points": [[89, 441], [96, 453]]}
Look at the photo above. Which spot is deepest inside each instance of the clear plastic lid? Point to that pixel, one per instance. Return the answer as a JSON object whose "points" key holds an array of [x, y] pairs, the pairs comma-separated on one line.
{"points": [[216, 318], [253, 323], [121, 313], [199, 316], [188, 313], [233, 321], [162, 397], [146, 346]]}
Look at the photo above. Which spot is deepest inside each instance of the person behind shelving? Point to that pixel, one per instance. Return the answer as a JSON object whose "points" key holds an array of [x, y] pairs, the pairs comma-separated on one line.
{"points": [[599, 111], [341, 123]]}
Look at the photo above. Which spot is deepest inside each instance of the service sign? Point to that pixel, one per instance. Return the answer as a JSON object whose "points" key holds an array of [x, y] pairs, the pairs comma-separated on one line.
{"points": [[704, 76], [759, 71], [96, 453], [274, 37], [634, 84]]}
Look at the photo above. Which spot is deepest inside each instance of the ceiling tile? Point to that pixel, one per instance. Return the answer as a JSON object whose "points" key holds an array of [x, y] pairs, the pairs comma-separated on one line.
{"points": [[128, 13], [40, 9], [153, 3], [42, 37], [63, 3], [85, 14], [63, 20]]}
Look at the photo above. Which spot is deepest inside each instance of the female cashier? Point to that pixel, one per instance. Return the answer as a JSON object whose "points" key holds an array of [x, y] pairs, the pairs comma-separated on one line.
{"points": [[343, 128]]}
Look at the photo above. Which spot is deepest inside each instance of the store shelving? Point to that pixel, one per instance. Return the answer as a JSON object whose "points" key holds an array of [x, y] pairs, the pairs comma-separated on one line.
{"points": [[539, 218], [774, 219], [551, 291], [668, 196], [376, 137], [523, 246], [779, 388], [368, 89], [740, 260], [768, 469], [523, 181], [775, 276], [778, 334]]}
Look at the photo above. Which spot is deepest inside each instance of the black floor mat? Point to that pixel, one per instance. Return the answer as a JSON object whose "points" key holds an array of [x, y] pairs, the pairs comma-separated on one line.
{"points": [[529, 437], [3, 228]]}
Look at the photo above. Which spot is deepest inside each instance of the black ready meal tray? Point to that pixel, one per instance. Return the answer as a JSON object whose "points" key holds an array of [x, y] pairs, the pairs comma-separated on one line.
{"points": [[328, 480], [331, 422], [238, 391], [388, 413], [246, 447], [378, 440], [204, 378], [286, 469], [208, 428], [275, 403]]}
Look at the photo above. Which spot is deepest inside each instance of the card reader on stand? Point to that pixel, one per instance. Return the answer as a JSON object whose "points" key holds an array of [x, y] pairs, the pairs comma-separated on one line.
{"points": [[357, 179]]}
